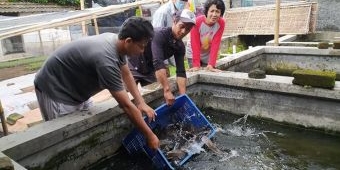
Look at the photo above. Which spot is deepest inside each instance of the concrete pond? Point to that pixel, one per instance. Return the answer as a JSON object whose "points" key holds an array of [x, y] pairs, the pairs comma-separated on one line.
{"points": [[79, 140]]}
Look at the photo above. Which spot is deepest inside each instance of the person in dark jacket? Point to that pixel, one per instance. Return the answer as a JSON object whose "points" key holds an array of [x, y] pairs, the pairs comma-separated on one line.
{"points": [[167, 42]]}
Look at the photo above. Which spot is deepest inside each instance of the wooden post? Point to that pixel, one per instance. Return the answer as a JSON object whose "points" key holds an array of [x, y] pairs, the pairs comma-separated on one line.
{"points": [[227, 5], [95, 25], [3, 120], [83, 28], [41, 44], [82, 5], [277, 23], [140, 10]]}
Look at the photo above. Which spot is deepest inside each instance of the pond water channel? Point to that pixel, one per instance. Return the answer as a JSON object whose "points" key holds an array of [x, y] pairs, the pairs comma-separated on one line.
{"points": [[249, 143]]}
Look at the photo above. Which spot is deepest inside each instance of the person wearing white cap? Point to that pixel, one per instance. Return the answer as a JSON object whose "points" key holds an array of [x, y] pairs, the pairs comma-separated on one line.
{"points": [[167, 42], [163, 17]]}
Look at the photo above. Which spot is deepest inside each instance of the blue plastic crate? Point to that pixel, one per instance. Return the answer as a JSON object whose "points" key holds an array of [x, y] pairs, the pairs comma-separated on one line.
{"points": [[183, 110]]}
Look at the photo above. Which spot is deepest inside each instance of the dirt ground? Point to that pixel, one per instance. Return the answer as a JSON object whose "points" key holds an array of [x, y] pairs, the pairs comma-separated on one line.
{"points": [[7, 73]]}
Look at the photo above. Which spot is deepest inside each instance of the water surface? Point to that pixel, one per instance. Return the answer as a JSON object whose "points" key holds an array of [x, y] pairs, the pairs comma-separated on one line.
{"points": [[248, 143]]}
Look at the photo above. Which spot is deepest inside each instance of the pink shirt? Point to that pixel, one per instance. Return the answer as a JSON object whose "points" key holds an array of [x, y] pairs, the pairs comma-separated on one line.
{"points": [[205, 41]]}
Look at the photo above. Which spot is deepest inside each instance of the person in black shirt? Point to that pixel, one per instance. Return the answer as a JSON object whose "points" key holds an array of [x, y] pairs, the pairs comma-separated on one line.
{"points": [[166, 42]]}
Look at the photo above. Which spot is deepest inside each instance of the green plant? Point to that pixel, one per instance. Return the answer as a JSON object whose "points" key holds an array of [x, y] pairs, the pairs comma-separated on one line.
{"points": [[173, 68], [34, 66], [229, 50]]}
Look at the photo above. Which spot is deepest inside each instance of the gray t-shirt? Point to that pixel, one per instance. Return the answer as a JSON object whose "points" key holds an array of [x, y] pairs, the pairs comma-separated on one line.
{"points": [[78, 70]]}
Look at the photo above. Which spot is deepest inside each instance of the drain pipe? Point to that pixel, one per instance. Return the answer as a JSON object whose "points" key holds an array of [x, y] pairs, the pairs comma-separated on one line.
{"points": [[277, 23], [3, 120]]}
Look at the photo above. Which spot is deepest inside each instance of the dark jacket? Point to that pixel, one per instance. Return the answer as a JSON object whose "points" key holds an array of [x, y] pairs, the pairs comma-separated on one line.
{"points": [[162, 47]]}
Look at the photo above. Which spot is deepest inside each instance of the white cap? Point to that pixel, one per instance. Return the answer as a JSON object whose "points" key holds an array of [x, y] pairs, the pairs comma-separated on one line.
{"points": [[186, 16]]}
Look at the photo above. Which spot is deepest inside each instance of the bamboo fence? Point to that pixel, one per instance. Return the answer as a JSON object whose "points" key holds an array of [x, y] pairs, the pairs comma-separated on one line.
{"points": [[295, 18]]}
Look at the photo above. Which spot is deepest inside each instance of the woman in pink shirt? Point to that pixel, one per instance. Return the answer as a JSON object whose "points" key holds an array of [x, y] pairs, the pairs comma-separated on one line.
{"points": [[205, 37]]}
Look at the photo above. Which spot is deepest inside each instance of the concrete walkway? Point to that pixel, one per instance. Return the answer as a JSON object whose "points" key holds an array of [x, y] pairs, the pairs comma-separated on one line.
{"points": [[17, 95]]}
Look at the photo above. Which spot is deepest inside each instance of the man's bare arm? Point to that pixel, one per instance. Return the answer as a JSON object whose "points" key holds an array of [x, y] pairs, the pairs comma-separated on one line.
{"points": [[133, 89], [181, 83], [163, 80], [135, 117]]}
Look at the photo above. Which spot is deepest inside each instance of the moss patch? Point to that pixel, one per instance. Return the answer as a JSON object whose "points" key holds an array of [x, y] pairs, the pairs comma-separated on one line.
{"points": [[323, 45], [71, 154], [12, 118], [336, 45], [314, 78], [257, 74], [282, 69]]}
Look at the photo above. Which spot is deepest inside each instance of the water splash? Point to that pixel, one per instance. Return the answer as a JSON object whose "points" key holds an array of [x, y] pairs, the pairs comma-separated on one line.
{"points": [[244, 119], [241, 131], [195, 148], [227, 156]]}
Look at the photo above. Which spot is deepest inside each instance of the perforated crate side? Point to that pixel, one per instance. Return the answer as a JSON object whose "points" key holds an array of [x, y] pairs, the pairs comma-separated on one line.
{"points": [[183, 110]]}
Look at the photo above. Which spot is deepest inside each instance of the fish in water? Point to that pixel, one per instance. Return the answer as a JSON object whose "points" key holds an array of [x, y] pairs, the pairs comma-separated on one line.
{"points": [[177, 138], [180, 137], [176, 154], [211, 145]]}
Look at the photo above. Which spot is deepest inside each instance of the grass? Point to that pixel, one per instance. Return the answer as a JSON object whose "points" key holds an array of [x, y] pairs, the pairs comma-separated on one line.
{"points": [[35, 66], [173, 68], [229, 50], [31, 63], [35, 63]]}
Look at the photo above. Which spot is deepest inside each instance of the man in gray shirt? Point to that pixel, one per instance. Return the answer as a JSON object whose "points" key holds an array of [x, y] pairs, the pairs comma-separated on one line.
{"points": [[82, 68]]}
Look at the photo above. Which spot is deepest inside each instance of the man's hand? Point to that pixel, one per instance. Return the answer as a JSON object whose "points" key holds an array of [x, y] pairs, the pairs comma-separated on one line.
{"points": [[135, 117], [212, 69], [153, 141], [193, 69], [144, 108], [169, 98]]}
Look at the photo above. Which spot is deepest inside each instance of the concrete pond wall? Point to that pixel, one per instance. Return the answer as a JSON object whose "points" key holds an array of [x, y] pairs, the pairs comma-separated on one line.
{"points": [[76, 141], [308, 40], [283, 60]]}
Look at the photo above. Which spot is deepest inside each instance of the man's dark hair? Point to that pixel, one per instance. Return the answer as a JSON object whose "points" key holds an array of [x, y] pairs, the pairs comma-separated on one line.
{"points": [[137, 29], [219, 5]]}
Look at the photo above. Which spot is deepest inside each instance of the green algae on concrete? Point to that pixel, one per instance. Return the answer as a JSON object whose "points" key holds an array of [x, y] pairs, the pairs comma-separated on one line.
{"points": [[314, 78], [336, 45], [12, 118], [257, 74], [72, 153], [281, 68], [323, 45]]}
